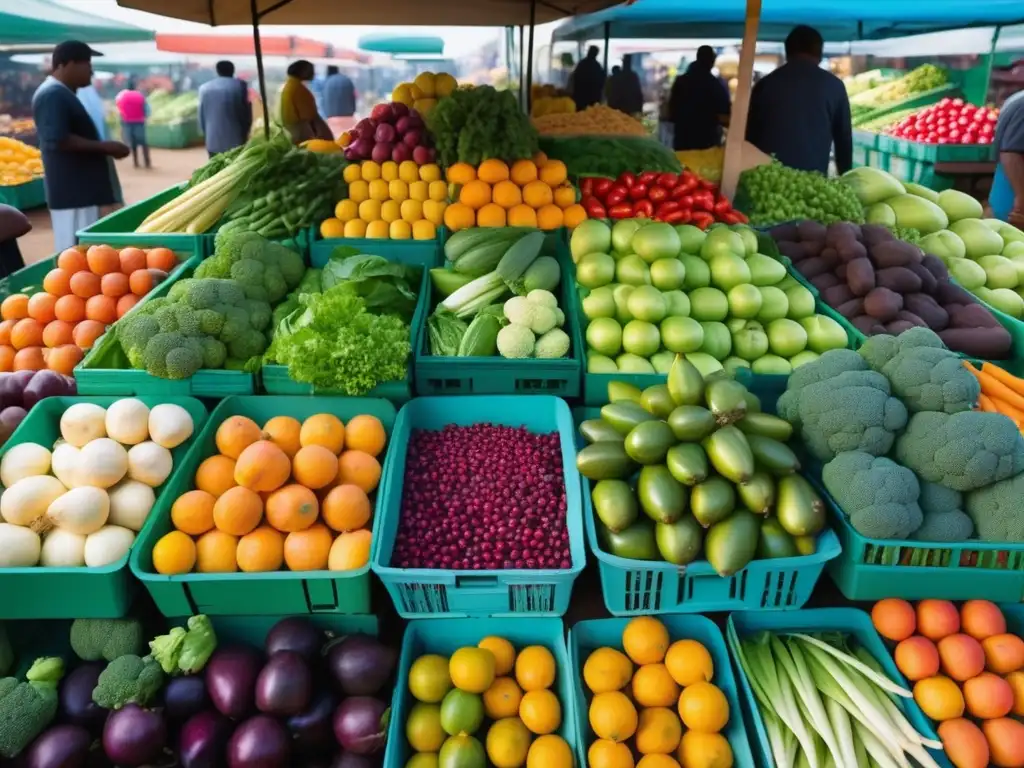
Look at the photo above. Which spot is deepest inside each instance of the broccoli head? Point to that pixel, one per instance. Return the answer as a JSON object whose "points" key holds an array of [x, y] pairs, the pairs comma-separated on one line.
{"points": [[827, 366], [260, 314], [173, 356], [214, 353], [878, 495], [237, 246], [944, 516], [128, 679], [997, 510], [135, 331], [879, 350], [961, 451], [249, 343], [26, 708], [95, 639], [206, 293]]}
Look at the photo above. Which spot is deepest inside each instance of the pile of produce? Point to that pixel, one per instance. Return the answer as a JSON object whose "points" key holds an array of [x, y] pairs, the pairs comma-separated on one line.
{"points": [[21, 390], [610, 156], [529, 193], [290, 495], [884, 285], [705, 163], [391, 132], [950, 121], [650, 291], [921, 80], [865, 81], [389, 200], [423, 93], [712, 475], [19, 162], [487, 704], [967, 671], [596, 120], [775, 193], [167, 108], [671, 675], [10, 126], [1001, 392], [89, 289], [879, 124], [481, 123], [825, 700], [906, 456], [673, 198], [450, 520], [81, 503]]}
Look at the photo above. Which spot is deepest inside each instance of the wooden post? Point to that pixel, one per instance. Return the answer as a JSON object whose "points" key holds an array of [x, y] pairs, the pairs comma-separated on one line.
{"points": [[737, 134]]}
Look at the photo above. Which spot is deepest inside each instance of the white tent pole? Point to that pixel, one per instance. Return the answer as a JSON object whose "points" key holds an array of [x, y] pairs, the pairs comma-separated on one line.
{"points": [[732, 165]]}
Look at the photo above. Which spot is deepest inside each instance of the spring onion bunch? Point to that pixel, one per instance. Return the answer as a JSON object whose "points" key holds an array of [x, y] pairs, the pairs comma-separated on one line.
{"points": [[826, 705]]}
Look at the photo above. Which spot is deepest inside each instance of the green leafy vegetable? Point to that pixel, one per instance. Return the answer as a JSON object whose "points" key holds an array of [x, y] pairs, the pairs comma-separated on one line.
{"points": [[475, 124], [385, 286], [445, 332]]}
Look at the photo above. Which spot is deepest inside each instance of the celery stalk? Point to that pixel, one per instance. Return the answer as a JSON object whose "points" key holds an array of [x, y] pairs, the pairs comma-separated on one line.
{"points": [[851, 661]]}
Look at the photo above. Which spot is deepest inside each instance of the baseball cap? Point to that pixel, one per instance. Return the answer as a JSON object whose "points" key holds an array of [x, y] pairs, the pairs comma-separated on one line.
{"points": [[72, 51]]}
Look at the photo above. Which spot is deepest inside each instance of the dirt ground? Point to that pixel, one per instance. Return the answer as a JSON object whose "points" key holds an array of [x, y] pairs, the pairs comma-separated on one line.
{"points": [[170, 166]]}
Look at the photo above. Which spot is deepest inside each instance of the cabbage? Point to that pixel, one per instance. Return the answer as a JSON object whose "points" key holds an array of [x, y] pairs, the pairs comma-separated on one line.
{"points": [[872, 185], [917, 213]]}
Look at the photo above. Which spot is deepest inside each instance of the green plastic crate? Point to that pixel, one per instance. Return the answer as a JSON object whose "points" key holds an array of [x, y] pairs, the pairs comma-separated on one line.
{"points": [[66, 593], [118, 228], [940, 153], [925, 99], [27, 279], [105, 369], [277, 592], [425, 252], [425, 592], [24, 197], [850, 621], [443, 637], [587, 636], [174, 135]]}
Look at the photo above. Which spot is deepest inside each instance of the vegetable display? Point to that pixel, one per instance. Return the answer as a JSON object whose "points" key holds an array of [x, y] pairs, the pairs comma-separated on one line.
{"points": [[865, 81], [1001, 392], [288, 495], [889, 95], [423, 93], [772, 194], [674, 199], [391, 132], [950, 121], [595, 120], [693, 469], [610, 156], [19, 162], [21, 390], [479, 123]]}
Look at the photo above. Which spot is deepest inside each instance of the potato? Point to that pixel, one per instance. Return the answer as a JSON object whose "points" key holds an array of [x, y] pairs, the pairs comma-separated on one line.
{"points": [[985, 343], [936, 266], [841, 232], [861, 276], [883, 304], [947, 293], [873, 234], [787, 231], [867, 325], [852, 250], [812, 267], [841, 272], [852, 308], [896, 253], [838, 295], [811, 231], [898, 279], [927, 309], [910, 317], [972, 316], [812, 248], [826, 281], [791, 250], [896, 327], [831, 257], [928, 280]]}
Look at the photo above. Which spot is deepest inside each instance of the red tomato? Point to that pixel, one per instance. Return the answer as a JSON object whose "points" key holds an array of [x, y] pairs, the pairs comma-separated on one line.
{"points": [[657, 194]]}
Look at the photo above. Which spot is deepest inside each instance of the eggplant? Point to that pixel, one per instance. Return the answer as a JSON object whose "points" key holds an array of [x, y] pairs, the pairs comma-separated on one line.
{"points": [[231, 680], [361, 664], [295, 634], [62, 746], [76, 704], [312, 728], [259, 742], [204, 740], [185, 696], [134, 736], [284, 686], [359, 725]]}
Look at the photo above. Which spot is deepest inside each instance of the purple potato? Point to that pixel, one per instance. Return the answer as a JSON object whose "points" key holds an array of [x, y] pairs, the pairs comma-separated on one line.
{"points": [[231, 680], [284, 685], [62, 746], [361, 664], [43, 384], [76, 703], [295, 634], [185, 696], [312, 728], [12, 387], [204, 740], [134, 736], [259, 742], [359, 725], [11, 418]]}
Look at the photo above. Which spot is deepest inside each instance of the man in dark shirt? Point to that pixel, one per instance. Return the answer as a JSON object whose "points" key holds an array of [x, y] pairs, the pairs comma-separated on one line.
{"points": [[78, 171], [698, 104], [224, 112], [799, 111], [339, 94], [624, 91], [588, 80]]}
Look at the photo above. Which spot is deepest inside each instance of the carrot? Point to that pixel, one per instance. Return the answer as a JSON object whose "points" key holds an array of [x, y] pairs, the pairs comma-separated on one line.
{"points": [[995, 389], [1016, 414], [1007, 378], [985, 404]]}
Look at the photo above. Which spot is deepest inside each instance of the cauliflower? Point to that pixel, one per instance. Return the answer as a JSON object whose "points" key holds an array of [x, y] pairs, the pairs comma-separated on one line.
{"points": [[519, 310], [537, 311], [542, 298], [878, 495], [544, 319], [998, 510], [962, 451], [515, 341], [554, 343], [95, 639]]}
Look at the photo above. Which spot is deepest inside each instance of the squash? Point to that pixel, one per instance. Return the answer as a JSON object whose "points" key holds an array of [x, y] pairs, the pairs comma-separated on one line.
{"points": [[170, 425], [127, 421], [130, 503], [29, 498], [101, 463], [63, 549], [149, 463], [82, 423], [19, 547], [24, 460], [81, 510], [108, 545]]}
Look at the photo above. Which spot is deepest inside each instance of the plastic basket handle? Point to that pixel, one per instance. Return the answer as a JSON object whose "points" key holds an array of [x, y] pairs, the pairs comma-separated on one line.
{"points": [[476, 582]]}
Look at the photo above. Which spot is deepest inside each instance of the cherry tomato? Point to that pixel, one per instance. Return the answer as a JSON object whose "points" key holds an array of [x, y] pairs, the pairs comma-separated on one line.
{"points": [[638, 191], [644, 208], [627, 179], [620, 211], [594, 208], [602, 186], [657, 194], [648, 177], [587, 185], [616, 195], [668, 180]]}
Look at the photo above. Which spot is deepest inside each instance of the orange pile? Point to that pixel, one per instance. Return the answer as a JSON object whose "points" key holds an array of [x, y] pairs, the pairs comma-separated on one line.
{"points": [[90, 288], [530, 193], [968, 673], [290, 495]]}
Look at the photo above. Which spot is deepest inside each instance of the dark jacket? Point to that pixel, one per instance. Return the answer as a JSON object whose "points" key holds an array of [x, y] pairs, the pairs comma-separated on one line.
{"points": [[587, 83], [625, 93], [696, 101]]}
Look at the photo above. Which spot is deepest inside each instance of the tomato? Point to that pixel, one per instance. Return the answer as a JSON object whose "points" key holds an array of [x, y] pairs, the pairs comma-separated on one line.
{"points": [[665, 208], [702, 220], [657, 194], [616, 195], [587, 185], [594, 208], [627, 179], [648, 177], [621, 211], [602, 187], [668, 180], [638, 191], [674, 217], [644, 208]]}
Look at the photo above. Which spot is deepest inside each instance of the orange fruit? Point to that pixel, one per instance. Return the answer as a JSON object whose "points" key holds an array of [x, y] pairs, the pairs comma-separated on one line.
{"points": [[72, 260], [6, 358], [87, 332], [41, 307], [917, 658], [215, 552], [64, 358], [102, 309], [565, 195], [612, 716], [125, 303], [688, 661], [607, 669], [360, 469], [216, 475], [507, 194], [14, 307], [458, 216], [540, 711], [535, 668], [29, 359], [323, 429], [703, 708], [574, 215], [964, 743], [260, 550], [70, 309], [607, 754], [537, 194], [235, 434], [475, 194], [366, 433], [192, 512], [315, 466], [522, 216], [1003, 653], [102, 259], [332, 228], [523, 172], [57, 282], [981, 619], [937, 618], [1005, 738], [292, 508], [161, 258], [27, 333], [645, 640], [653, 686], [658, 731], [283, 431], [988, 696], [350, 550], [263, 466], [491, 215], [6, 326], [962, 657], [131, 259], [85, 284], [503, 651], [492, 171], [550, 751], [549, 217], [461, 173], [1016, 681], [502, 699], [114, 285], [141, 282], [553, 173], [308, 550], [238, 511], [174, 553], [939, 698], [346, 508], [539, 159]]}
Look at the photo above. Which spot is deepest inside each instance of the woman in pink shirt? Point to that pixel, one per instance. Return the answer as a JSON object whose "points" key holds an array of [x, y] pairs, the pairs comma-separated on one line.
{"points": [[131, 103]]}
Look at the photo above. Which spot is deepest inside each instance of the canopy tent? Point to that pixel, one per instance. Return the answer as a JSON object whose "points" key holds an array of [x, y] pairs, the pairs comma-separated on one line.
{"points": [[37, 22], [403, 45]]}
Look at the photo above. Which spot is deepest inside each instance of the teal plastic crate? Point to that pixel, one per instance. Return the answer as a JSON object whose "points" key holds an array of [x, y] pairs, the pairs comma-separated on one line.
{"points": [[424, 592], [27, 279], [940, 153], [24, 197], [443, 637], [276, 592], [180, 135], [67, 593], [850, 621], [105, 369], [587, 636], [425, 252], [118, 228]]}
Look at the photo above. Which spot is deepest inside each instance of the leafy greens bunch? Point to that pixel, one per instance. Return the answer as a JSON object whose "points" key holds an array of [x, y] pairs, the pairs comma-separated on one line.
{"points": [[475, 124]]}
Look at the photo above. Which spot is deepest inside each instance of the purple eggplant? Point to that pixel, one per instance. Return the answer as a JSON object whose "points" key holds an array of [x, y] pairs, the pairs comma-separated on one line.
{"points": [[259, 742], [185, 696], [295, 634], [312, 728], [43, 384], [62, 746], [360, 725], [284, 685], [134, 736], [231, 680], [361, 664], [76, 702], [204, 740]]}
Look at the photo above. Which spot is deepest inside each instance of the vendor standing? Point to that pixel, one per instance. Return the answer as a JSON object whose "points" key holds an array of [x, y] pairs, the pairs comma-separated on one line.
{"points": [[298, 105], [588, 80], [1006, 198], [799, 111], [78, 171], [699, 104]]}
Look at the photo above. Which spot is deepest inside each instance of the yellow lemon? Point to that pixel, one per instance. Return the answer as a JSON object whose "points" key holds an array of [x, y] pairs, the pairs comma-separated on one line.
{"points": [[703, 708], [346, 210], [424, 230], [541, 712], [444, 85], [408, 171], [612, 716], [355, 228], [438, 191], [430, 172], [424, 106], [433, 211], [412, 210], [535, 668], [472, 669], [390, 210], [400, 230], [369, 170], [504, 653], [332, 228], [379, 190], [689, 662], [398, 190], [377, 230], [418, 190], [369, 210], [645, 640], [507, 743], [389, 170], [549, 752], [402, 94], [606, 670], [425, 82], [351, 173], [607, 754], [428, 678], [358, 191], [415, 92]]}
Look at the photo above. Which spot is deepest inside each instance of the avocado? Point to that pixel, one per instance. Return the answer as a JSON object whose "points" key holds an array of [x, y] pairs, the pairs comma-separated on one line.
{"points": [[679, 542], [623, 392], [635, 543], [758, 493], [691, 422], [657, 400], [662, 497], [775, 541], [649, 441], [730, 545], [599, 431], [726, 399], [778, 458], [799, 508], [712, 501], [730, 454], [615, 504], [604, 461], [623, 416], [688, 463], [767, 425], [685, 383]]}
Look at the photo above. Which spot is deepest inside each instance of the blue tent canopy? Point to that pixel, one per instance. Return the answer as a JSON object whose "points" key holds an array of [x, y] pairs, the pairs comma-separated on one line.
{"points": [[837, 20], [423, 45]]}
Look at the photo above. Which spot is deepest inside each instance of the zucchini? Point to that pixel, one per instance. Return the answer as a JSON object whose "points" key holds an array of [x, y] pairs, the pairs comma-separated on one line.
{"points": [[519, 256]]}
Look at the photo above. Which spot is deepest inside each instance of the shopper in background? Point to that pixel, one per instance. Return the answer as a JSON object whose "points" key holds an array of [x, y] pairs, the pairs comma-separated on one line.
{"points": [[93, 103], [698, 106], [800, 111], [298, 106], [1006, 198], [78, 171], [133, 108], [588, 80], [624, 91], [339, 101], [224, 113]]}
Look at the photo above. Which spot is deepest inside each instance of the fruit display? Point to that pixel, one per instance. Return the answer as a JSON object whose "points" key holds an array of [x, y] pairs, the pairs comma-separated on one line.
{"points": [[20, 163], [391, 132], [287, 495], [596, 120], [478, 123], [21, 390], [609, 156], [711, 475], [705, 163], [10, 126], [918, 81], [655, 695], [650, 291], [489, 704], [1001, 392], [167, 108], [865, 81], [549, 100], [423, 93], [400, 201], [882, 285], [950, 121], [80, 502], [675, 199], [90, 288], [774, 193], [527, 193], [967, 672]]}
